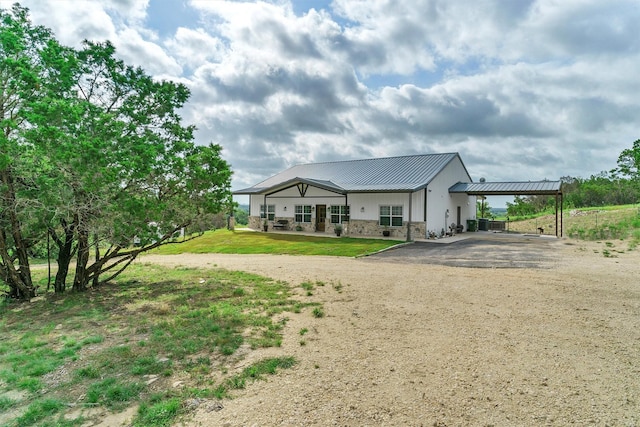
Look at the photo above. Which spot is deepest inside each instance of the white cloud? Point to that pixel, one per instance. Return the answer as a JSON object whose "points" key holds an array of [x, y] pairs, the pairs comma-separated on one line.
{"points": [[195, 47], [522, 89], [135, 50]]}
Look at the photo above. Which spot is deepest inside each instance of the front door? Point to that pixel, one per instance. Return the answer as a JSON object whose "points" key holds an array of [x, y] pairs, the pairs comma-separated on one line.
{"points": [[321, 217]]}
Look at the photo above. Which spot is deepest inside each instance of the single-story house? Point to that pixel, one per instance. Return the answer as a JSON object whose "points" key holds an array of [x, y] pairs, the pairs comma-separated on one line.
{"points": [[408, 196]]}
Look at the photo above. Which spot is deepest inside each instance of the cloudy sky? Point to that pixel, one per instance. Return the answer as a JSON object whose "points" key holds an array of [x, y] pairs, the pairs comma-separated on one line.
{"points": [[522, 89]]}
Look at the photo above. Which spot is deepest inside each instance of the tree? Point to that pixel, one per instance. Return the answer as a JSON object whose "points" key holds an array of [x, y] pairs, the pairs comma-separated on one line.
{"points": [[483, 210], [629, 167], [520, 207], [109, 163], [31, 64], [629, 162], [242, 216]]}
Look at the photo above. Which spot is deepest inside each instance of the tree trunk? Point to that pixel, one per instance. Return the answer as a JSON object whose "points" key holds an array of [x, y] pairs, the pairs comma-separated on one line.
{"points": [[19, 280], [19, 288], [65, 254], [81, 279], [96, 274]]}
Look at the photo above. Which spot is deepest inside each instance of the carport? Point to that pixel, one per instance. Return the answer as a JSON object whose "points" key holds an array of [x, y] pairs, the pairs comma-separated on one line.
{"points": [[529, 188]]}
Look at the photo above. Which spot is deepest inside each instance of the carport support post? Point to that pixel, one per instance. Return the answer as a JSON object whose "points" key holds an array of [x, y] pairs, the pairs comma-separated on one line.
{"points": [[409, 222], [561, 214], [556, 214]]}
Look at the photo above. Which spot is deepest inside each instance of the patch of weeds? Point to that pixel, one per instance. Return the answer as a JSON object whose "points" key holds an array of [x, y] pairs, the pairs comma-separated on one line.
{"points": [[268, 338], [95, 339], [337, 287], [9, 377], [318, 312], [29, 342], [36, 364], [32, 385], [608, 244], [38, 411], [62, 422], [303, 343], [607, 254], [257, 371], [201, 365], [70, 343], [113, 394], [303, 331], [319, 283], [237, 382], [159, 414], [228, 341], [5, 403], [220, 392], [145, 365], [89, 371], [307, 286], [121, 352]]}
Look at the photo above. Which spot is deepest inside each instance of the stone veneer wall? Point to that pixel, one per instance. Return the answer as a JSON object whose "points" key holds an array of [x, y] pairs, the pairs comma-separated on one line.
{"points": [[373, 229], [352, 228], [255, 223]]}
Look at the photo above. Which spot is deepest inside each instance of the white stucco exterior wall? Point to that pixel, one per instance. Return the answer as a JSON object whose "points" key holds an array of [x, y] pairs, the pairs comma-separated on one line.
{"points": [[441, 206]]}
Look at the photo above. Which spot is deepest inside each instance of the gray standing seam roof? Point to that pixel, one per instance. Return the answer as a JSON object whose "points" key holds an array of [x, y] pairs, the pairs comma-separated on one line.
{"points": [[507, 188], [406, 173]]}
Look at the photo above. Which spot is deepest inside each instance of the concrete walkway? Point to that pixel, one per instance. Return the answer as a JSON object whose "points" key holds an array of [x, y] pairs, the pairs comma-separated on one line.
{"points": [[443, 240]]}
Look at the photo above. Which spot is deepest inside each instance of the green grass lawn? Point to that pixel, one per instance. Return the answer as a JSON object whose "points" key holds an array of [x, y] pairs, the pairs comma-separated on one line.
{"points": [[125, 343], [252, 242]]}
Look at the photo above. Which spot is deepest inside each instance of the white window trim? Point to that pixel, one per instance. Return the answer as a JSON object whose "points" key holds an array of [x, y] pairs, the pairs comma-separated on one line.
{"points": [[303, 213], [270, 214], [391, 215], [344, 214]]}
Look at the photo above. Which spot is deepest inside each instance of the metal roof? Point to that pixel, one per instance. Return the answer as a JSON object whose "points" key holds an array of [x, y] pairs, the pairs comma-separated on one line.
{"points": [[507, 188], [405, 173]]}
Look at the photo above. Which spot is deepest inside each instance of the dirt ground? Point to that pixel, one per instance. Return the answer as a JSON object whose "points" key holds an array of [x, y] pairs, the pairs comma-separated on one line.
{"points": [[433, 345]]}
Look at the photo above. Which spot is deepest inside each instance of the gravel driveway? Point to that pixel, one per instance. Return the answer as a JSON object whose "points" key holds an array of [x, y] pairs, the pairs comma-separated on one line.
{"points": [[479, 250], [405, 342]]}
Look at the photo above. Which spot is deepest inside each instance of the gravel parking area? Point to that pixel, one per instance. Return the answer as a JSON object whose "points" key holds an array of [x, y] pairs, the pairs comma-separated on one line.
{"points": [[409, 342], [479, 250]]}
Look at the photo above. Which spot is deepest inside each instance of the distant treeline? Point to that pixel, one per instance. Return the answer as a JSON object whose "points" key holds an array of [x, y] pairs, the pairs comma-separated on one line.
{"points": [[600, 190], [597, 190]]}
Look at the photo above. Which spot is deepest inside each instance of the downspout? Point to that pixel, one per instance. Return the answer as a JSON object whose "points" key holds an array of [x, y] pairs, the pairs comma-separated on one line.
{"points": [[346, 203], [409, 223], [266, 215]]}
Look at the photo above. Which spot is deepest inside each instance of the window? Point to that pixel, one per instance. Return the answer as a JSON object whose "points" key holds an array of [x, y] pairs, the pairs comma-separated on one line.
{"points": [[303, 213], [391, 216], [339, 214], [271, 212]]}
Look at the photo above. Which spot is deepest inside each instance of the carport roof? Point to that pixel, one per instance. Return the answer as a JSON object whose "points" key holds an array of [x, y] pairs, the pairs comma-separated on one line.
{"points": [[507, 188]]}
